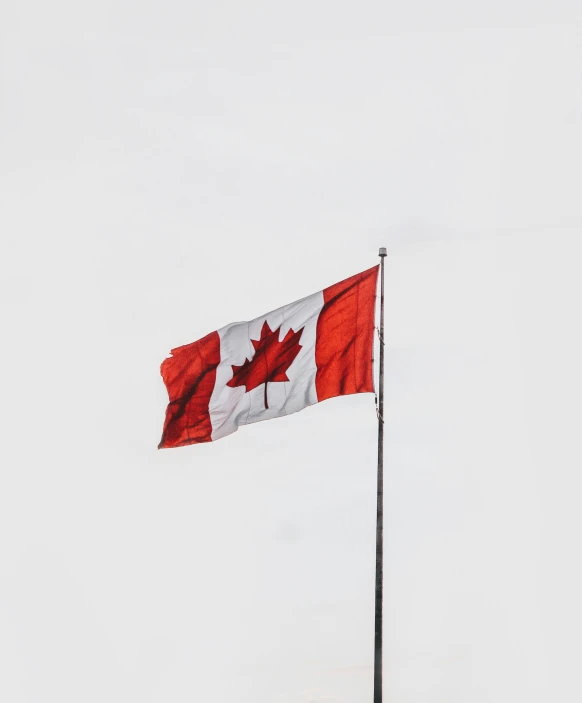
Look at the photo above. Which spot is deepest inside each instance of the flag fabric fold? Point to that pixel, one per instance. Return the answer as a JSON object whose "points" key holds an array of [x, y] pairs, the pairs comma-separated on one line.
{"points": [[316, 348]]}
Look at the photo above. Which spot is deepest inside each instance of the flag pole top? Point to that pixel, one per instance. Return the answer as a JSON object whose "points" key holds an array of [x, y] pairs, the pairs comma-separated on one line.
{"points": [[382, 251]]}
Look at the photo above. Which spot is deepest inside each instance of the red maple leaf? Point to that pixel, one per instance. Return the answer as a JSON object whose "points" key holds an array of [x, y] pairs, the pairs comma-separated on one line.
{"points": [[270, 361]]}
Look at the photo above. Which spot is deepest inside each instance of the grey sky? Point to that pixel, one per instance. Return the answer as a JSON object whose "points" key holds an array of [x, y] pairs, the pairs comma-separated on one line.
{"points": [[169, 168]]}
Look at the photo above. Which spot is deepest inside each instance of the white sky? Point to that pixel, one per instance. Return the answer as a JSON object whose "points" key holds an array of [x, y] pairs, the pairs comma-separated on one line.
{"points": [[168, 168]]}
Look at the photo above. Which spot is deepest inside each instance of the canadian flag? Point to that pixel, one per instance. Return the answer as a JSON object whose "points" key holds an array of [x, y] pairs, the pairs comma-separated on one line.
{"points": [[316, 348]]}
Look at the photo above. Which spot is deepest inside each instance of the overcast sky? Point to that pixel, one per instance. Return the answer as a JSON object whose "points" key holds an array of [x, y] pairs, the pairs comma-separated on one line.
{"points": [[169, 168]]}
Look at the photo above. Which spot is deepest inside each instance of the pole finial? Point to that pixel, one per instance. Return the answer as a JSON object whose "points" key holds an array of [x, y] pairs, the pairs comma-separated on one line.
{"points": [[382, 251]]}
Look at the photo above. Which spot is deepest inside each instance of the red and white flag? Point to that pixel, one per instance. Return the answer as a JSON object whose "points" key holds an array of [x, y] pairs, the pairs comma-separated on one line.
{"points": [[316, 348]]}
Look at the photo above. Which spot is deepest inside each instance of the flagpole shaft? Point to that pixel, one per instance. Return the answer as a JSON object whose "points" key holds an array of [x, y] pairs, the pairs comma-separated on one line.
{"points": [[380, 504]]}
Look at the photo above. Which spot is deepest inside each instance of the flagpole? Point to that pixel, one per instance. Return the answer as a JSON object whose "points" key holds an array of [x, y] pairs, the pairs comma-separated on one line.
{"points": [[380, 503]]}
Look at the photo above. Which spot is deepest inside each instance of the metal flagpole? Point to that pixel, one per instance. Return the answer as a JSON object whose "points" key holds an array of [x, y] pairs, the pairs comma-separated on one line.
{"points": [[380, 502]]}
